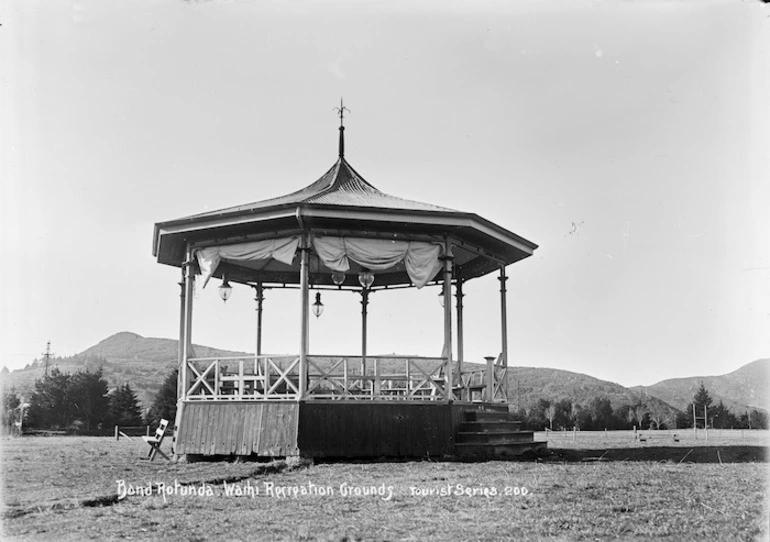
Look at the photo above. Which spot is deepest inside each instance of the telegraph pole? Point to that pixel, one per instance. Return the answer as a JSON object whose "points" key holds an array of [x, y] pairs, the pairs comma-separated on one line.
{"points": [[47, 356]]}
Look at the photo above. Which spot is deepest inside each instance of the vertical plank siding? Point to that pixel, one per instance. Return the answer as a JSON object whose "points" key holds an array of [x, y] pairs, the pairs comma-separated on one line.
{"points": [[238, 428], [336, 429]]}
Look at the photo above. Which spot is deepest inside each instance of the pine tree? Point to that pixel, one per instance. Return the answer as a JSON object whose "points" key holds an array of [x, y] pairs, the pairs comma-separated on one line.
{"points": [[90, 404], [700, 400], [124, 407], [164, 406], [50, 407], [722, 417], [71, 402]]}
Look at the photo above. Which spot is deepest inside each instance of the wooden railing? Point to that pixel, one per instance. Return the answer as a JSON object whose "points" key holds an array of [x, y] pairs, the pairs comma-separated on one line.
{"points": [[499, 387], [484, 382], [396, 378], [238, 378], [402, 378]]}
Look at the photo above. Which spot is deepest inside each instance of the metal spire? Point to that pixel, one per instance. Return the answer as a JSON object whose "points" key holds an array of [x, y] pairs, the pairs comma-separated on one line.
{"points": [[341, 113]]}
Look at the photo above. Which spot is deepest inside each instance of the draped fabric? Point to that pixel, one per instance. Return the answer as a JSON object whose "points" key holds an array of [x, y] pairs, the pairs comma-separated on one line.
{"points": [[420, 258], [278, 249]]}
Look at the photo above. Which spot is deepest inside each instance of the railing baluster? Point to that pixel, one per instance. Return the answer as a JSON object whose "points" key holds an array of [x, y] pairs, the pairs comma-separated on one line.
{"points": [[268, 361], [376, 384], [408, 391], [241, 383], [333, 377], [346, 382], [217, 389]]}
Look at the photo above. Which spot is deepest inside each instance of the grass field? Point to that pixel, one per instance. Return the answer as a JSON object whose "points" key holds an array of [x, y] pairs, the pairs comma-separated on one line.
{"points": [[593, 486]]}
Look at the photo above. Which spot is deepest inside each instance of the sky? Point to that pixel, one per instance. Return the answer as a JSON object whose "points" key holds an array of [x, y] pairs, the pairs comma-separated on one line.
{"points": [[630, 140]]}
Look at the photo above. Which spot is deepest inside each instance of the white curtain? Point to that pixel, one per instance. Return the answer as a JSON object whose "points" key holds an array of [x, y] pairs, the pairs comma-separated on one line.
{"points": [[278, 249], [420, 258]]}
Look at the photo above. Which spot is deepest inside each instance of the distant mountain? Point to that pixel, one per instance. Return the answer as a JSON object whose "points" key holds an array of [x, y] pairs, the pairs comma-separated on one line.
{"points": [[126, 349], [124, 357], [144, 363], [528, 384], [747, 387]]}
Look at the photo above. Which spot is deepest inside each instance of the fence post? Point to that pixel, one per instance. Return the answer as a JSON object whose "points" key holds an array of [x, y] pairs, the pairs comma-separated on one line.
{"points": [[117, 433], [148, 430], [489, 387]]}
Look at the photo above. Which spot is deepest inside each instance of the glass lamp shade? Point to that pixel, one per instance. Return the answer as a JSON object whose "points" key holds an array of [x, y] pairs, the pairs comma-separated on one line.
{"points": [[318, 307], [225, 291], [338, 277], [366, 278]]}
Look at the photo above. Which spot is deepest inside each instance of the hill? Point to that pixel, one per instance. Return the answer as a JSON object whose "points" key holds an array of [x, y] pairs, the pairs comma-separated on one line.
{"points": [[528, 384], [747, 387], [143, 362]]}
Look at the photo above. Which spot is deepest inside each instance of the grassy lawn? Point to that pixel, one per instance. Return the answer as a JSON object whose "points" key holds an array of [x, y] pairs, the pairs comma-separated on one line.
{"points": [[66, 489]]}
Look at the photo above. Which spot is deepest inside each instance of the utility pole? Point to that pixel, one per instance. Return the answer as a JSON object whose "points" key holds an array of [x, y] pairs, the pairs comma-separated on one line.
{"points": [[47, 356]]}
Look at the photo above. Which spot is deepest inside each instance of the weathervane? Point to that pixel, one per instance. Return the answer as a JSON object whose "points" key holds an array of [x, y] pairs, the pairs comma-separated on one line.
{"points": [[341, 113]]}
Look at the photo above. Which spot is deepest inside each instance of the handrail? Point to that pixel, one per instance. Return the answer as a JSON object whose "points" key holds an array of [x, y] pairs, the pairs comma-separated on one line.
{"points": [[340, 377], [387, 356], [247, 356], [408, 378], [369, 356], [265, 378]]}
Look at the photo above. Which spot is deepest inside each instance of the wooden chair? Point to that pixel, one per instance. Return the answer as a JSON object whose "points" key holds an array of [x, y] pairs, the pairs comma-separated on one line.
{"points": [[156, 440]]}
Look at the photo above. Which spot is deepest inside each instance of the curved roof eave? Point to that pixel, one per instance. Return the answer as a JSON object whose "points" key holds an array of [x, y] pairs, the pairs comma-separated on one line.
{"points": [[451, 220], [436, 218]]}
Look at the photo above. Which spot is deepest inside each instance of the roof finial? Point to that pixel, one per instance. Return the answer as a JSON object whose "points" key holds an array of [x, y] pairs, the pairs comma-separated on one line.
{"points": [[341, 113]]}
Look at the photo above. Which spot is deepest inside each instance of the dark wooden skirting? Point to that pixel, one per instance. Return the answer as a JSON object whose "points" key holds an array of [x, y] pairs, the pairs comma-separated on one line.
{"points": [[330, 429], [380, 429], [374, 429]]}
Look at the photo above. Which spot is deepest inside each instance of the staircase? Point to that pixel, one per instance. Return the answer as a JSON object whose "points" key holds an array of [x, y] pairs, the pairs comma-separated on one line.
{"points": [[494, 434]]}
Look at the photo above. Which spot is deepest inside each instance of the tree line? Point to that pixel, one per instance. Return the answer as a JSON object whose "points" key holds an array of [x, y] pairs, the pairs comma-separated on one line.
{"points": [[82, 403], [598, 414], [719, 416]]}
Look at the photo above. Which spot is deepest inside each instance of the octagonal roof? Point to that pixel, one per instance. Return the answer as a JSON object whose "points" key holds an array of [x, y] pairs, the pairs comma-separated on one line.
{"points": [[341, 186], [342, 203]]}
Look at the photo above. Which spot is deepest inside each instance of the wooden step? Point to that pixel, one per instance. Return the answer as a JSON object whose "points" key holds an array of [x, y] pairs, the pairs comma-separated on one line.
{"points": [[500, 437], [489, 427], [493, 407], [486, 415], [516, 450]]}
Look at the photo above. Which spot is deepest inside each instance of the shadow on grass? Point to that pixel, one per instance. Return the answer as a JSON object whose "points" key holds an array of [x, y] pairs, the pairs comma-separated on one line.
{"points": [[674, 454]]}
